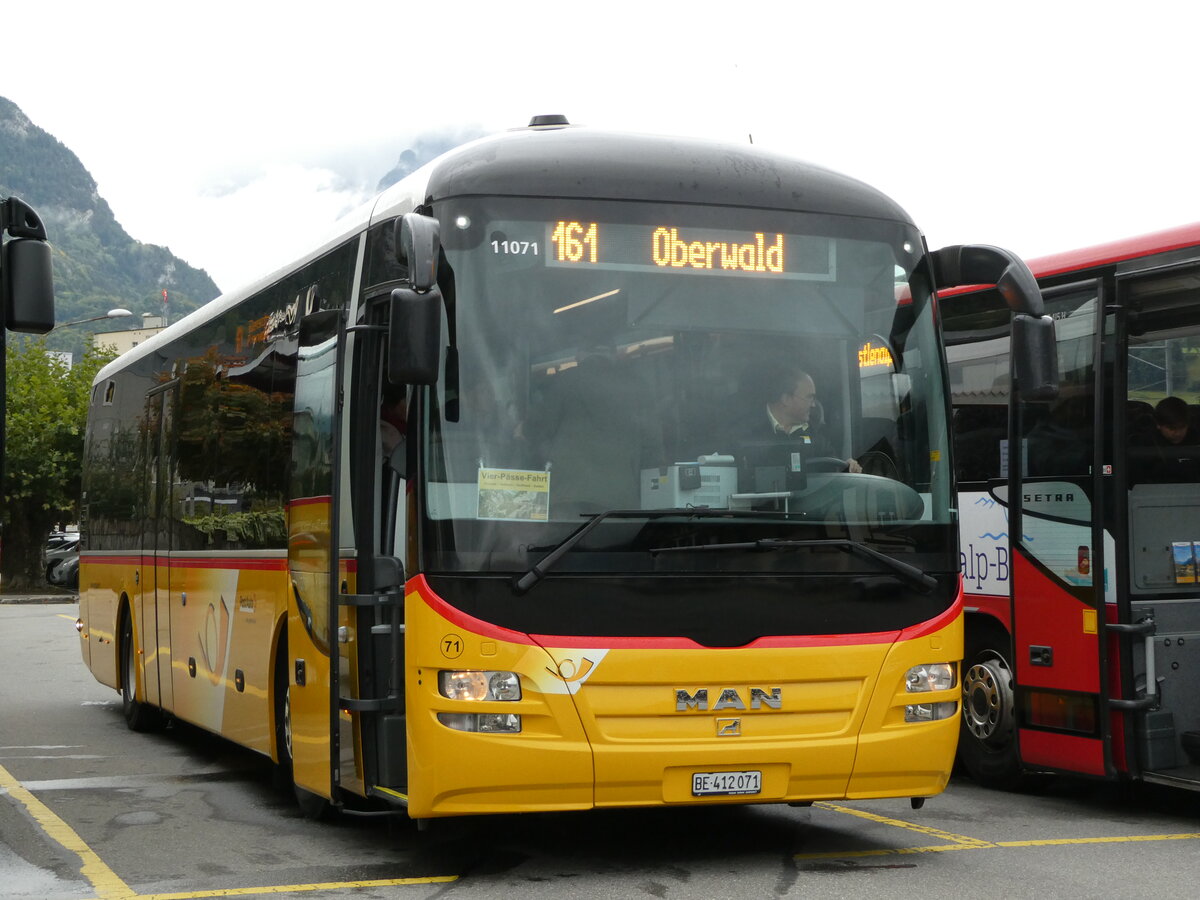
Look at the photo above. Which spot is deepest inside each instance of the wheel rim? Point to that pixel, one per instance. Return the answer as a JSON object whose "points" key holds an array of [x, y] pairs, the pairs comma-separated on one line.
{"points": [[129, 682], [987, 700], [287, 722]]}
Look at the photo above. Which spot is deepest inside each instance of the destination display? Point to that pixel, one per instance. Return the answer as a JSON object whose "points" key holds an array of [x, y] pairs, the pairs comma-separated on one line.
{"points": [[583, 244]]}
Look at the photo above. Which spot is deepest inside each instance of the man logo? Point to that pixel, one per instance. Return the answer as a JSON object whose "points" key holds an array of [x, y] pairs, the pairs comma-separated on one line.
{"points": [[729, 727], [729, 699]]}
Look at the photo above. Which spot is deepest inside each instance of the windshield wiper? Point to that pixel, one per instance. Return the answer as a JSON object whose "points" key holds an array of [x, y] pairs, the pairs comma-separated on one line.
{"points": [[524, 582], [907, 571]]}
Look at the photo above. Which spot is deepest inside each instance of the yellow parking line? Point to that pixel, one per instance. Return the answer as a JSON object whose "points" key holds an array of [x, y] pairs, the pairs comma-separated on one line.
{"points": [[108, 886], [961, 842], [890, 851], [289, 888], [1128, 839], [955, 839]]}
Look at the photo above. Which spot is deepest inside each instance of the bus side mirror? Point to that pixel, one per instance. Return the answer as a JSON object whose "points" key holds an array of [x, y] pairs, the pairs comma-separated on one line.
{"points": [[418, 245], [414, 336], [1035, 357], [1034, 352], [26, 280], [28, 286], [969, 264]]}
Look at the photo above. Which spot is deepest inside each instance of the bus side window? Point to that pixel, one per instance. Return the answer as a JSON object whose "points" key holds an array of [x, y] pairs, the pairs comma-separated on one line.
{"points": [[978, 435], [1139, 418], [1060, 441]]}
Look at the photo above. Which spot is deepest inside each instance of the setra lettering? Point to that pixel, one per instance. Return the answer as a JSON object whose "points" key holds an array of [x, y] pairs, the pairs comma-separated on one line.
{"points": [[1049, 498]]}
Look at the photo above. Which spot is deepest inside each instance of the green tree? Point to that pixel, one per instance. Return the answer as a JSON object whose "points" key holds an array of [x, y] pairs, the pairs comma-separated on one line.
{"points": [[47, 415]]}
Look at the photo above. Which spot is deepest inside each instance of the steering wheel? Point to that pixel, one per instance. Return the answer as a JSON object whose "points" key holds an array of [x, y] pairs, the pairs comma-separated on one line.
{"points": [[825, 464], [859, 498], [875, 462]]}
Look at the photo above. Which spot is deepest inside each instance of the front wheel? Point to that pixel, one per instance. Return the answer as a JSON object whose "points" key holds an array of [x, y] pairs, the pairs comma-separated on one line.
{"points": [[988, 747], [313, 806], [138, 716]]}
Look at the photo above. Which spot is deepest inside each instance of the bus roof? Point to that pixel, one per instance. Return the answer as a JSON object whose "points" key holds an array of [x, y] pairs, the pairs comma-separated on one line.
{"points": [[1116, 251], [1084, 258], [582, 162]]}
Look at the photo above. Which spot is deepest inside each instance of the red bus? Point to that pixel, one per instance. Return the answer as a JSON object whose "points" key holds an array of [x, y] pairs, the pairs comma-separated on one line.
{"points": [[1082, 641]]}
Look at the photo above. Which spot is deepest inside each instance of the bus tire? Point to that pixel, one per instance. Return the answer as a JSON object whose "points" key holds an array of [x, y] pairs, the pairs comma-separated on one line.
{"points": [[138, 716], [987, 747], [313, 806], [282, 776]]}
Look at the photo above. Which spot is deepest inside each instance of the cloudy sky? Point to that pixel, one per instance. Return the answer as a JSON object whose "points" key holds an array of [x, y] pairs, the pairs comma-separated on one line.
{"points": [[234, 133]]}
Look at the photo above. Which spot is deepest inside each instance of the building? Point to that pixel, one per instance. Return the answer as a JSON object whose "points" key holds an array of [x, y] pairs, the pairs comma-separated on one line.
{"points": [[121, 341]]}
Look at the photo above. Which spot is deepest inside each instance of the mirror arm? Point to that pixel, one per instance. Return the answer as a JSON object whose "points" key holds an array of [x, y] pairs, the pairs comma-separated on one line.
{"points": [[968, 264], [20, 220]]}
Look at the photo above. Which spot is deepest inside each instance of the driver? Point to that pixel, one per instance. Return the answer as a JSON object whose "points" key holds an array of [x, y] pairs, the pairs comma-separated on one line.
{"points": [[791, 401]]}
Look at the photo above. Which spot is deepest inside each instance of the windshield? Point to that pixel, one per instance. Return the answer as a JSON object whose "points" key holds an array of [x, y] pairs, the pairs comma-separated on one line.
{"points": [[630, 356]]}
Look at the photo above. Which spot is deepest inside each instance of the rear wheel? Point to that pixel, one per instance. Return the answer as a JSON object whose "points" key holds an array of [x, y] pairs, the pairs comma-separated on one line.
{"points": [[988, 748], [138, 716]]}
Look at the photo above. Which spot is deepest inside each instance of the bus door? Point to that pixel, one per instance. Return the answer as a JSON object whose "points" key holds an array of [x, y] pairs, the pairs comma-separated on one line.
{"points": [[152, 573], [370, 623], [1158, 317], [312, 712], [1058, 553]]}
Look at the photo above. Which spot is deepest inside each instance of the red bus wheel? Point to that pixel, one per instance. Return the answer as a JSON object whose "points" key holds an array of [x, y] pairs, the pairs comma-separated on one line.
{"points": [[987, 747]]}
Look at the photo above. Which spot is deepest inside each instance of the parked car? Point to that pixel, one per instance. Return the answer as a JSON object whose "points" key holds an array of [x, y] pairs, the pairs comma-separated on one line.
{"points": [[61, 546], [65, 573]]}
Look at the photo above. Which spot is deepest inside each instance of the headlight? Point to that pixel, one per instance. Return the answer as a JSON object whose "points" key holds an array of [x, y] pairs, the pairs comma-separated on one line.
{"points": [[930, 712], [472, 684], [930, 677], [504, 686], [927, 678], [487, 723]]}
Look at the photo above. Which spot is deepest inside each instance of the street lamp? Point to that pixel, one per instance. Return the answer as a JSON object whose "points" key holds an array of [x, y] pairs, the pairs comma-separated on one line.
{"points": [[111, 314]]}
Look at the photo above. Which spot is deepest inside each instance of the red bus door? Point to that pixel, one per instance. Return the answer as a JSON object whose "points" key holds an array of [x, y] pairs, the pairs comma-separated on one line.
{"points": [[1157, 457], [1058, 554]]}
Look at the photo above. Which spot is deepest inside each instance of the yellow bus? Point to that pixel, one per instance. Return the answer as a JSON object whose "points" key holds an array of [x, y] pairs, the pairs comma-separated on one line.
{"points": [[476, 508]]}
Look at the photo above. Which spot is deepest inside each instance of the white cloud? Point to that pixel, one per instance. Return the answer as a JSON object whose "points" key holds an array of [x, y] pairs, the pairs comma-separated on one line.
{"points": [[235, 132], [254, 226]]}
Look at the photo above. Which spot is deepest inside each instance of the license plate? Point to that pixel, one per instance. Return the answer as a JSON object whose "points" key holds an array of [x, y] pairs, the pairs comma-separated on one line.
{"points": [[708, 783]]}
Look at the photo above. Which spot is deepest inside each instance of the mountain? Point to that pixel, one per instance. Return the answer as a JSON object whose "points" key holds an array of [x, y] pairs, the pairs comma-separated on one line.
{"points": [[97, 265], [426, 148]]}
